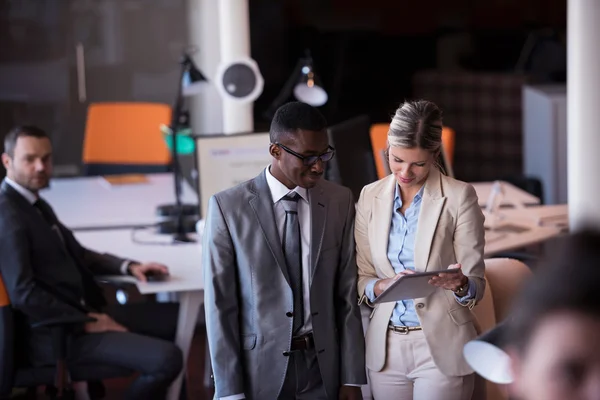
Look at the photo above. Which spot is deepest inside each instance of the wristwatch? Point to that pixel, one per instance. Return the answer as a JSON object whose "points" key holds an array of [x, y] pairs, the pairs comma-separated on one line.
{"points": [[463, 290]]}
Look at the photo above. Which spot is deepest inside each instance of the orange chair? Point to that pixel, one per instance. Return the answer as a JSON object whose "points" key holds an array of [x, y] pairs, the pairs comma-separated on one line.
{"points": [[448, 143], [126, 138], [505, 278], [379, 143]]}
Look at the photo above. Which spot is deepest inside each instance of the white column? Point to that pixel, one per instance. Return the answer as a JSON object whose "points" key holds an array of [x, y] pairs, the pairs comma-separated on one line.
{"points": [[583, 112], [203, 33], [234, 31]]}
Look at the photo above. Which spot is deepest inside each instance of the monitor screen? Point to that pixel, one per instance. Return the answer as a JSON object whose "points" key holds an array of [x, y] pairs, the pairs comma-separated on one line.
{"points": [[353, 165]]}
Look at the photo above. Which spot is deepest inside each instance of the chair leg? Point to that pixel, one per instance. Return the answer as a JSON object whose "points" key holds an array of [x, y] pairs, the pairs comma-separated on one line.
{"points": [[208, 376], [54, 394], [96, 390], [31, 393]]}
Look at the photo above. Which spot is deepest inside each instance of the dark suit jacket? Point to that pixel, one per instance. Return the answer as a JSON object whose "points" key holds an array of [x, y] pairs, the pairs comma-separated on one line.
{"points": [[46, 277]]}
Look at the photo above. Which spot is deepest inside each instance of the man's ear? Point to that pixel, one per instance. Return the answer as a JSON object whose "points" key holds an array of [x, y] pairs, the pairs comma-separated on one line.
{"points": [[275, 151], [6, 160]]}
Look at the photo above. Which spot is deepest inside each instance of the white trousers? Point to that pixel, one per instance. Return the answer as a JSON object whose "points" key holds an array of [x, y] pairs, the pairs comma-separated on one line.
{"points": [[409, 373]]}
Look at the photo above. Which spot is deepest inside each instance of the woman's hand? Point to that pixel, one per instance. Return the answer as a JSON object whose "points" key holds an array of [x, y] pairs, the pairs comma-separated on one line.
{"points": [[382, 284], [452, 281]]}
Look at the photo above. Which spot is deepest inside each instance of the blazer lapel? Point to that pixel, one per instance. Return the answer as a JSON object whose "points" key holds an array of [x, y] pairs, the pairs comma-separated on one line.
{"points": [[29, 208], [431, 209], [262, 204], [383, 203], [318, 215]]}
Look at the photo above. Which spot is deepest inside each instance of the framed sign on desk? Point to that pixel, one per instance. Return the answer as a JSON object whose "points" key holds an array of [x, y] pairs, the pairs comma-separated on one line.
{"points": [[226, 160]]}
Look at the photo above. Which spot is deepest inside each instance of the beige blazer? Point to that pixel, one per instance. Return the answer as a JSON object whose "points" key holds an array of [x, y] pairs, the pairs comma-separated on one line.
{"points": [[450, 230]]}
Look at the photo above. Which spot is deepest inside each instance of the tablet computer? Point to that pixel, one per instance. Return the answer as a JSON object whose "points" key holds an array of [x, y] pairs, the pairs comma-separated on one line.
{"points": [[411, 286]]}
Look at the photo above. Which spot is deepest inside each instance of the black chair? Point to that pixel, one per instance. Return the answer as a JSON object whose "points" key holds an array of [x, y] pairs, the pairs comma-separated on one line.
{"points": [[56, 378], [529, 184]]}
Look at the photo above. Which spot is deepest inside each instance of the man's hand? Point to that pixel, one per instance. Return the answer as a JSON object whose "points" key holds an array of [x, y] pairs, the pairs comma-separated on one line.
{"points": [[350, 393], [139, 270], [103, 323], [450, 281]]}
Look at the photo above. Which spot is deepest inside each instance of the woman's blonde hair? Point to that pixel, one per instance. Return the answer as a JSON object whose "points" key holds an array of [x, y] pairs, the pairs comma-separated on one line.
{"points": [[417, 124]]}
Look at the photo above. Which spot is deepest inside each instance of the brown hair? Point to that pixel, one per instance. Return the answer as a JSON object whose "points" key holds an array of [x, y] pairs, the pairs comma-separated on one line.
{"points": [[10, 140]]}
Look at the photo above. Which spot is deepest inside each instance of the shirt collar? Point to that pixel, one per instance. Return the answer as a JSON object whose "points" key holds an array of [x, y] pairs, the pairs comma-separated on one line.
{"points": [[416, 199], [28, 194], [279, 190]]}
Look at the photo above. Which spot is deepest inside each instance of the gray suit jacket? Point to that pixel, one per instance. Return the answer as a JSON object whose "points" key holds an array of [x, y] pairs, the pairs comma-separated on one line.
{"points": [[247, 294]]}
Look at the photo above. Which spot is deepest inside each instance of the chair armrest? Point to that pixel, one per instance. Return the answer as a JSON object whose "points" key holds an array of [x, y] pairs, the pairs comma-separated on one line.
{"points": [[63, 321], [59, 328], [118, 281], [521, 256]]}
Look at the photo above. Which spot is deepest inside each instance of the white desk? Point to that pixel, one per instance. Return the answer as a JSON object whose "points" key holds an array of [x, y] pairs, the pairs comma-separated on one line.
{"points": [[91, 202], [184, 262], [512, 194], [512, 228]]}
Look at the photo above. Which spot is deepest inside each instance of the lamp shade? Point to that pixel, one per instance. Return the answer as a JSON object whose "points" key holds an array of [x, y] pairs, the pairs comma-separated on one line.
{"points": [[239, 80], [486, 356], [309, 90]]}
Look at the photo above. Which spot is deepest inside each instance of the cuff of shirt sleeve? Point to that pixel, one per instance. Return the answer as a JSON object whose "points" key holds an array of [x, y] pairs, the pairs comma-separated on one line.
{"points": [[233, 397], [352, 384], [125, 267], [471, 293], [370, 290]]}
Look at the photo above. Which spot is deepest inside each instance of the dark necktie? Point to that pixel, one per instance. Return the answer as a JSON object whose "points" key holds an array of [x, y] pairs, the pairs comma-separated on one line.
{"points": [[46, 211], [292, 251], [48, 214]]}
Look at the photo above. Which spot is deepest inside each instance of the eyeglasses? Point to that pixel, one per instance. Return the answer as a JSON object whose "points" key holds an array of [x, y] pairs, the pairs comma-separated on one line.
{"points": [[310, 160]]}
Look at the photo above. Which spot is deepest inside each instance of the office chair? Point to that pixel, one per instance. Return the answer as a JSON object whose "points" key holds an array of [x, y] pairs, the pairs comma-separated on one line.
{"points": [[505, 278], [15, 374]]}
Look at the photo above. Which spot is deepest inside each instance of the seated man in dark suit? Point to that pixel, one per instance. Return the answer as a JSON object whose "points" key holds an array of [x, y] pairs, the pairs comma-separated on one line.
{"points": [[48, 274]]}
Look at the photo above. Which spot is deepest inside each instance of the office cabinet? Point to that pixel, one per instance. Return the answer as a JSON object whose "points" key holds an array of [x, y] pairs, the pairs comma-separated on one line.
{"points": [[545, 138]]}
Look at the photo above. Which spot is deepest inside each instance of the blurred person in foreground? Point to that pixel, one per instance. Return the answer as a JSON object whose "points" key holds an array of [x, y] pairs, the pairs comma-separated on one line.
{"points": [[553, 333]]}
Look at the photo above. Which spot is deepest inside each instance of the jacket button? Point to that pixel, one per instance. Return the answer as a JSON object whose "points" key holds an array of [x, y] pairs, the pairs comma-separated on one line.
{"points": [[289, 314], [420, 305], [286, 353]]}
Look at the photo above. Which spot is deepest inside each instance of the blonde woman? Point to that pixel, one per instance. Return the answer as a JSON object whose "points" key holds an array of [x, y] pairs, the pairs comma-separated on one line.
{"points": [[418, 219]]}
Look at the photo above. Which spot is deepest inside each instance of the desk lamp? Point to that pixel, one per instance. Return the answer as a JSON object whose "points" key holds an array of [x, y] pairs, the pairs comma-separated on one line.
{"points": [[304, 84], [190, 82], [486, 356]]}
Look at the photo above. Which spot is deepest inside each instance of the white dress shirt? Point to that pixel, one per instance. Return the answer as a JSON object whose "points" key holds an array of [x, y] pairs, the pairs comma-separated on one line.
{"points": [[278, 191], [32, 198], [28, 194]]}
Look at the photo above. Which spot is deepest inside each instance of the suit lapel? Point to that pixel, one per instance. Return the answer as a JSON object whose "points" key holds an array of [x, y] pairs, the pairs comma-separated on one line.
{"points": [[262, 204], [318, 215], [431, 209], [383, 204], [29, 208]]}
